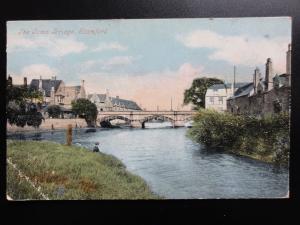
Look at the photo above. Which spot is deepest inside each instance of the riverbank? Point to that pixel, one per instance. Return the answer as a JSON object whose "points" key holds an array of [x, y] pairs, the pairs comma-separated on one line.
{"points": [[266, 139], [48, 125], [41, 168]]}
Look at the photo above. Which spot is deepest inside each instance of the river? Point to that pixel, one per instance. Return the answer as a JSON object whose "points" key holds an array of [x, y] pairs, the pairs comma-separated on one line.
{"points": [[177, 168]]}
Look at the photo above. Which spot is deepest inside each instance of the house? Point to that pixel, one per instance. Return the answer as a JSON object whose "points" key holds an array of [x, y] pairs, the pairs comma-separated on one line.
{"points": [[106, 103], [217, 95], [264, 96], [55, 92]]}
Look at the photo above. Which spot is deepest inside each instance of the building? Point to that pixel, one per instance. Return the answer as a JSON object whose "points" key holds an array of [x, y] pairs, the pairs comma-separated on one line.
{"points": [[55, 92], [106, 103], [217, 95], [264, 96]]}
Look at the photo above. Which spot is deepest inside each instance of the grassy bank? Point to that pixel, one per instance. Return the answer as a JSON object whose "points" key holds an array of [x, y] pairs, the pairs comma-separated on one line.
{"points": [[64, 172], [266, 139]]}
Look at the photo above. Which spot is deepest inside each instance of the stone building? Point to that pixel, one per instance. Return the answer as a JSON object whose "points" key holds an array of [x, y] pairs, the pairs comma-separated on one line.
{"points": [[217, 95], [106, 103], [264, 96], [55, 92]]}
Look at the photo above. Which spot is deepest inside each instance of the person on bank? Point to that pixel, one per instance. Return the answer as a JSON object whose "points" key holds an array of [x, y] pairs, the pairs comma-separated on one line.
{"points": [[96, 148]]}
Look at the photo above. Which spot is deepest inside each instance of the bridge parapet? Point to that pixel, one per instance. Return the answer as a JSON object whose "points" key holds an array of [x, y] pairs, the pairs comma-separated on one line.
{"points": [[138, 118]]}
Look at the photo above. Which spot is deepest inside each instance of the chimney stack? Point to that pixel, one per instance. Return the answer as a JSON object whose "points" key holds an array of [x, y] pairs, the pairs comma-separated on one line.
{"points": [[25, 81], [256, 79], [269, 75], [40, 84], [288, 60], [9, 81]]}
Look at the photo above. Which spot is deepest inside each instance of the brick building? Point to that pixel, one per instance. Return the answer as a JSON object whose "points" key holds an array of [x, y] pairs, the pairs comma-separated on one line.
{"points": [[264, 96]]}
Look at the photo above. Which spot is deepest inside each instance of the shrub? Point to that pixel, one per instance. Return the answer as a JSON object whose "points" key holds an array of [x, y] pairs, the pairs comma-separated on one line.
{"points": [[54, 111], [265, 137]]}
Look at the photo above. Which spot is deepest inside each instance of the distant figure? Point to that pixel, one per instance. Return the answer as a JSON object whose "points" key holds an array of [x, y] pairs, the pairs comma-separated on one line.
{"points": [[96, 148]]}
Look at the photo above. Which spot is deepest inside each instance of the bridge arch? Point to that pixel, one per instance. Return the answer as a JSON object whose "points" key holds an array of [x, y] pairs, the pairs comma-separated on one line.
{"points": [[155, 117], [105, 121]]}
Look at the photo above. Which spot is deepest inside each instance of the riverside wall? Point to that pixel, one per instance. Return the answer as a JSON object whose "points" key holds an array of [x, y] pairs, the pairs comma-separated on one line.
{"points": [[47, 125]]}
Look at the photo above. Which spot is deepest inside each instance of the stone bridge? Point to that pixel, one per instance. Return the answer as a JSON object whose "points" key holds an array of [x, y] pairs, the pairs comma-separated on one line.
{"points": [[139, 118]]}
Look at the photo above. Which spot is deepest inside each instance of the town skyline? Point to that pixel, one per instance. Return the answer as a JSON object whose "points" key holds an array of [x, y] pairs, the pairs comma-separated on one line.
{"points": [[147, 61]]}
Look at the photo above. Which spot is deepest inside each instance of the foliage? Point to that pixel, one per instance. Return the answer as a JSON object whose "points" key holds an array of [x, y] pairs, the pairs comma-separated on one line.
{"points": [[21, 94], [69, 172], [266, 137], [54, 111], [86, 109], [20, 110], [196, 93]]}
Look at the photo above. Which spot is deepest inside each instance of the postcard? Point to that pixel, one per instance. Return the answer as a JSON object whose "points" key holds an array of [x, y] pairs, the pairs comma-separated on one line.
{"points": [[148, 108]]}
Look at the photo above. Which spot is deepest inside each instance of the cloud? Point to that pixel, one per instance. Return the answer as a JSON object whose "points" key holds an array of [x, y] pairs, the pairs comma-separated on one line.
{"points": [[107, 64], [240, 49], [149, 90], [110, 46], [34, 71], [53, 46]]}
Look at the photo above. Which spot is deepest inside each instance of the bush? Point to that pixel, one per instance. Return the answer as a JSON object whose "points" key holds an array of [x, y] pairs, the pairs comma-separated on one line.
{"points": [[54, 111], [265, 137]]}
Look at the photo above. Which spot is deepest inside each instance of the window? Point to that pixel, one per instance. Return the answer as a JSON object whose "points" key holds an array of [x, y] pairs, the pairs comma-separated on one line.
{"points": [[211, 99], [221, 100]]}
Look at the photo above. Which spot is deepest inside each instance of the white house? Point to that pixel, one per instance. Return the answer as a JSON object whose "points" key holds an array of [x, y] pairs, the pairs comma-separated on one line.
{"points": [[216, 96]]}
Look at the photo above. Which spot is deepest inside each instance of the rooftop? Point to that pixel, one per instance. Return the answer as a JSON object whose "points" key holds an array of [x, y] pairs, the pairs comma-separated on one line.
{"points": [[227, 85], [47, 84], [118, 101]]}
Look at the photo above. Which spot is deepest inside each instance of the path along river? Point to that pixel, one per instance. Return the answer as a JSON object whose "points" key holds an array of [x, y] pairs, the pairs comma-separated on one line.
{"points": [[177, 168]]}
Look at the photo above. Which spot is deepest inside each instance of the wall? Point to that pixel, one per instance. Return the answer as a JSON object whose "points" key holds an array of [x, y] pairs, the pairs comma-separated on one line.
{"points": [[260, 104], [57, 124], [70, 93]]}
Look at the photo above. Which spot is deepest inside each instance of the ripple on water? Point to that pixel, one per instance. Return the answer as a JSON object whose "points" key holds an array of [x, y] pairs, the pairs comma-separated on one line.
{"points": [[176, 167]]}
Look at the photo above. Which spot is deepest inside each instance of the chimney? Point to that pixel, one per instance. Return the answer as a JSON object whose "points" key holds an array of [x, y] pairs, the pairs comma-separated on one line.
{"points": [[82, 83], [288, 60], [25, 81], [233, 83], [256, 79], [52, 95], [269, 75], [40, 84], [9, 81]]}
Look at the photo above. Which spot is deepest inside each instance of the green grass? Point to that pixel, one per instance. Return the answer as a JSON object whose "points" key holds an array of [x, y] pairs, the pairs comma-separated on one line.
{"points": [[80, 173]]}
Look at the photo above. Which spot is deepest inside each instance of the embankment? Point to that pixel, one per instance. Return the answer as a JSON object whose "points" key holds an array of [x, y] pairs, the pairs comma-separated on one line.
{"points": [[48, 123], [47, 170]]}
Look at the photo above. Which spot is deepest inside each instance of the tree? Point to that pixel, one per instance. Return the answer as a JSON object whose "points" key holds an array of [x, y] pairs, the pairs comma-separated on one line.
{"points": [[20, 109], [54, 111], [196, 93], [86, 109]]}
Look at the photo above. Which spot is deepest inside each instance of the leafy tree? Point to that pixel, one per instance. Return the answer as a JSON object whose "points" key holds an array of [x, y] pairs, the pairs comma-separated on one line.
{"points": [[86, 109], [54, 111], [20, 109], [196, 93]]}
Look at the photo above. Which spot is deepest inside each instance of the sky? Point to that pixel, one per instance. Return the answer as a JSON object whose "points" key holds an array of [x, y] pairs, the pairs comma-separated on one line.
{"points": [[150, 61]]}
